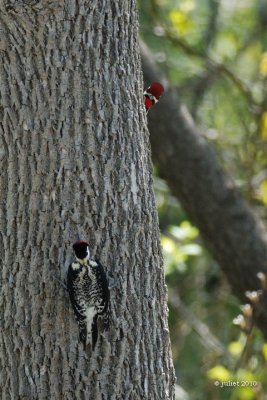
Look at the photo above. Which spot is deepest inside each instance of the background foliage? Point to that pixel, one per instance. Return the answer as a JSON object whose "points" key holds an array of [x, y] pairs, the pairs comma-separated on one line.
{"points": [[215, 53]]}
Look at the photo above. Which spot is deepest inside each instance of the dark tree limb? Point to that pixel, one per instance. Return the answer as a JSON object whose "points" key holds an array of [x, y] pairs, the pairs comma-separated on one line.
{"points": [[232, 233], [212, 24]]}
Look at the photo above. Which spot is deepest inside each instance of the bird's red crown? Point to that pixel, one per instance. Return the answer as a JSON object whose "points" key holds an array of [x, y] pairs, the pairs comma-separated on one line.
{"points": [[156, 89], [80, 242]]}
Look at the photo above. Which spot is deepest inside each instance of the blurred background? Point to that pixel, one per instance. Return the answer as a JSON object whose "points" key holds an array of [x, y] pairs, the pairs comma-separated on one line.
{"points": [[214, 52]]}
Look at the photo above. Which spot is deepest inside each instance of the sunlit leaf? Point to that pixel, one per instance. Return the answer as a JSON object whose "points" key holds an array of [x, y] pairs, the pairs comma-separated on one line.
{"points": [[219, 373], [264, 125], [262, 191], [226, 47], [167, 245], [264, 351], [180, 21], [245, 393], [175, 258], [185, 231], [235, 348], [188, 5], [263, 64], [192, 249]]}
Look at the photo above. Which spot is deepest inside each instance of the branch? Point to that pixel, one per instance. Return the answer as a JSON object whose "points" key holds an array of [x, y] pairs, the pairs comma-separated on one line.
{"points": [[207, 338], [228, 226]]}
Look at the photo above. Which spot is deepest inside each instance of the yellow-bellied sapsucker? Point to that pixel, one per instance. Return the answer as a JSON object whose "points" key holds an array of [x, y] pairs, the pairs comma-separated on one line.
{"points": [[89, 293]]}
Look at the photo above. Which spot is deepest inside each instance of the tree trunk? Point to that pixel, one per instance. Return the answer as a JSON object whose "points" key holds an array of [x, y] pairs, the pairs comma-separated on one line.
{"points": [[75, 160]]}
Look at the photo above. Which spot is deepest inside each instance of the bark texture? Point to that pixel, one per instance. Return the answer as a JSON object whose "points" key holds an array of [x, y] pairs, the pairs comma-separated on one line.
{"points": [[75, 160], [235, 237]]}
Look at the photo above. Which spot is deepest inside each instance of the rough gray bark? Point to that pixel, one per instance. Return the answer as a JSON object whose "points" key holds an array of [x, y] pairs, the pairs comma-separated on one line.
{"points": [[75, 160], [233, 234]]}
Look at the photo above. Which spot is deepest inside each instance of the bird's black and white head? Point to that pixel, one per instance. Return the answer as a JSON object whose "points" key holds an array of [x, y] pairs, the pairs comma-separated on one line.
{"points": [[81, 250]]}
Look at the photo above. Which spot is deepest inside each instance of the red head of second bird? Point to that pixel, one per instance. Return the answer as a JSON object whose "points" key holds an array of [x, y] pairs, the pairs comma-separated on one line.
{"points": [[152, 94]]}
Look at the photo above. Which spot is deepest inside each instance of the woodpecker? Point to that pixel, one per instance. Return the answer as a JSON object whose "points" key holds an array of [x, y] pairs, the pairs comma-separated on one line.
{"points": [[152, 95], [89, 293]]}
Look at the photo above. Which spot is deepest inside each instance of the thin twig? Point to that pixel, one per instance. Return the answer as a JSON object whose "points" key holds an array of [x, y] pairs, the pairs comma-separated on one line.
{"points": [[208, 339]]}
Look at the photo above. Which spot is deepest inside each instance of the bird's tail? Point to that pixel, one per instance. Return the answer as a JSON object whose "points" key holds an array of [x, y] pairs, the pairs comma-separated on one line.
{"points": [[94, 331], [83, 331], [104, 321]]}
